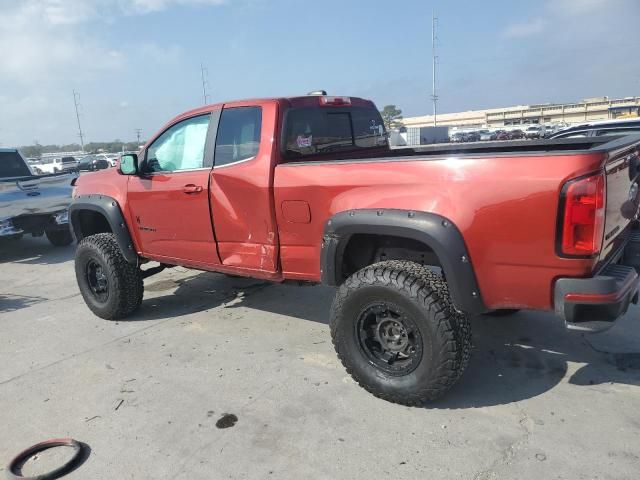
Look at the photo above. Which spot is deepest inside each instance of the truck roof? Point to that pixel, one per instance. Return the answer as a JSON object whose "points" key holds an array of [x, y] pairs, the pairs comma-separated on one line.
{"points": [[294, 101]]}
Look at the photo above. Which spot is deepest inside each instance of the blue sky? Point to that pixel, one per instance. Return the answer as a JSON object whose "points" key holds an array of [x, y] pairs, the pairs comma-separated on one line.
{"points": [[136, 63]]}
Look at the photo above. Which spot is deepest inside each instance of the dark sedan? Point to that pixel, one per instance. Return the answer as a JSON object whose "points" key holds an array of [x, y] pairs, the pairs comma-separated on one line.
{"points": [[92, 163]]}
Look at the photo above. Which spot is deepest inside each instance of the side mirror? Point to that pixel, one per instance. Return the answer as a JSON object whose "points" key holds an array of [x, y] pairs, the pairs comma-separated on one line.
{"points": [[128, 164]]}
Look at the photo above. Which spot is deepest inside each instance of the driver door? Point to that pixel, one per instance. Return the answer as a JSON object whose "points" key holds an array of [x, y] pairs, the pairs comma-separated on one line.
{"points": [[169, 200]]}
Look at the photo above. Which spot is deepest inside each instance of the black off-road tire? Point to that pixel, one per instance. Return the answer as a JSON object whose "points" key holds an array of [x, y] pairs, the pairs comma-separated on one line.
{"points": [[124, 280], [445, 333], [59, 237]]}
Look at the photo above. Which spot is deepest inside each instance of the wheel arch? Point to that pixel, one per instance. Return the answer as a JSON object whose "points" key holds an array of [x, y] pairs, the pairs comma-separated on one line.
{"points": [[422, 237], [91, 214]]}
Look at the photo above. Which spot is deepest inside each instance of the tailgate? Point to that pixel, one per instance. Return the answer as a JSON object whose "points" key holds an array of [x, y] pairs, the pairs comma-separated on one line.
{"points": [[39, 195], [622, 196]]}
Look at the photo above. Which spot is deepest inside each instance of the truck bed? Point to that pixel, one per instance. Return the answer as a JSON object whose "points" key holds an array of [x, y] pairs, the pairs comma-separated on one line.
{"points": [[524, 146], [34, 195]]}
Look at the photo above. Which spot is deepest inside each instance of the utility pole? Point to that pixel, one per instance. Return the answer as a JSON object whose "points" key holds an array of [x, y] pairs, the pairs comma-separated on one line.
{"points": [[76, 99], [204, 74], [138, 132], [434, 97]]}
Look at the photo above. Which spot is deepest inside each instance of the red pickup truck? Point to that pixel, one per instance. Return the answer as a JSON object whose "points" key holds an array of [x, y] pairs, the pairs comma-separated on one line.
{"points": [[417, 239]]}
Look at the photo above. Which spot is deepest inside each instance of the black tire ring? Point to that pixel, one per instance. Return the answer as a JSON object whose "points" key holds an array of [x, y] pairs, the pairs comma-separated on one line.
{"points": [[23, 456]]}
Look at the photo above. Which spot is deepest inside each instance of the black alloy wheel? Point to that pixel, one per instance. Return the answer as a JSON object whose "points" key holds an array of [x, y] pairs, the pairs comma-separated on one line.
{"points": [[389, 338], [97, 280]]}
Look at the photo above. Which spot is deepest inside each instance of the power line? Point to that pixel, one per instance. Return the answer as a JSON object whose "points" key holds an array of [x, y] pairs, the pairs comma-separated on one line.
{"points": [[434, 96], [138, 132], [76, 100], [204, 74]]}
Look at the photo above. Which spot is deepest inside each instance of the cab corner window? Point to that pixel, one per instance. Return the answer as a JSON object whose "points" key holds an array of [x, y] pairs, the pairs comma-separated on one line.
{"points": [[312, 131], [181, 147], [238, 135]]}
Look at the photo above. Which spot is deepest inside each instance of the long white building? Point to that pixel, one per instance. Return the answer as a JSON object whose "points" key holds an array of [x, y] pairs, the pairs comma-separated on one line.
{"points": [[590, 109]]}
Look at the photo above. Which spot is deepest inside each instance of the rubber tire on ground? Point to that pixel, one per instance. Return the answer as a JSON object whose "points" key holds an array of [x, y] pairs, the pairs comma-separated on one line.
{"points": [[446, 333], [59, 237], [125, 285]]}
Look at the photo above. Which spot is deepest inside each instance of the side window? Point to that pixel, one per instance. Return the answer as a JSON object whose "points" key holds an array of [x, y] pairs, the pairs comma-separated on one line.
{"points": [[238, 135], [574, 135], [368, 128], [618, 131], [181, 147]]}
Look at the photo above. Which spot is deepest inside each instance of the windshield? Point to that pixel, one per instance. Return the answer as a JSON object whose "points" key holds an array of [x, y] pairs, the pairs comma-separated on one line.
{"points": [[312, 131]]}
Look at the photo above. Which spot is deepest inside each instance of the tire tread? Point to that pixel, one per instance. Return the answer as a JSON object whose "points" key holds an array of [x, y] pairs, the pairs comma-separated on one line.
{"points": [[431, 292]]}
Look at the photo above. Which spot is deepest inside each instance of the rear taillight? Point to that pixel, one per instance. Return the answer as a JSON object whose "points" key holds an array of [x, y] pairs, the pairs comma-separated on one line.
{"points": [[583, 216], [334, 101]]}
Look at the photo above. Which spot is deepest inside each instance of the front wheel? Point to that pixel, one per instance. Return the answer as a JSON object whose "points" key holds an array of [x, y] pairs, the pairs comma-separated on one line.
{"points": [[59, 237], [111, 287], [397, 333]]}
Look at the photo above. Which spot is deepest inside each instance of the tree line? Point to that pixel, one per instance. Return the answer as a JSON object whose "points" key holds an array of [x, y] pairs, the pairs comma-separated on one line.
{"points": [[116, 146]]}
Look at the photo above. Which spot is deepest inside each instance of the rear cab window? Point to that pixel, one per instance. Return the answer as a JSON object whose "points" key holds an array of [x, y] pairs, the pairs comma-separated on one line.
{"points": [[314, 130], [12, 165]]}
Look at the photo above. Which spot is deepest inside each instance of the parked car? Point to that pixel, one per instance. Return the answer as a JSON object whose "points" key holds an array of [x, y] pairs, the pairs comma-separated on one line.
{"points": [[459, 137], [503, 135], [329, 203], [92, 163], [487, 135], [34, 164], [472, 136], [112, 158], [598, 129], [32, 204], [534, 131], [57, 165], [516, 134]]}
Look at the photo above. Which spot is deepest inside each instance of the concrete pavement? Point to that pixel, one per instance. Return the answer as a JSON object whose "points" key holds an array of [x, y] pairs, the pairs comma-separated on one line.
{"points": [[537, 402]]}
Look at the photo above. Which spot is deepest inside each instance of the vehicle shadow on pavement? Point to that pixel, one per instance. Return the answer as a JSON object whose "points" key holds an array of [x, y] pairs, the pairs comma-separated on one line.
{"points": [[526, 355], [11, 303], [34, 251], [205, 291], [514, 358]]}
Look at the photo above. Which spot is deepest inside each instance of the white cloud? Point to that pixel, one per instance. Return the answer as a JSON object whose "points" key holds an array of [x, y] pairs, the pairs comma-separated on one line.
{"points": [[50, 47], [39, 39], [525, 29], [146, 6]]}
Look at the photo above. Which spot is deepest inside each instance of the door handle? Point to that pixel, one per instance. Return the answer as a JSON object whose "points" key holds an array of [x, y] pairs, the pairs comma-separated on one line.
{"points": [[191, 188]]}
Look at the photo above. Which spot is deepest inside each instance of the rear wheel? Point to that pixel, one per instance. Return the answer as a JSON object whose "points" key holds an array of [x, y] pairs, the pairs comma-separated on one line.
{"points": [[111, 287], [396, 332], [59, 237]]}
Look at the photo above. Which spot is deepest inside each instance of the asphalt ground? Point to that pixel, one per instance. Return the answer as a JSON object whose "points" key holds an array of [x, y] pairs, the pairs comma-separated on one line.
{"points": [[149, 395]]}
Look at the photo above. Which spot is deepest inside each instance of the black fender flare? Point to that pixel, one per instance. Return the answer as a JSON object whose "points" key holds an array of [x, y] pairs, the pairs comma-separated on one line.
{"points": [[110, 209], [435, 231]]}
